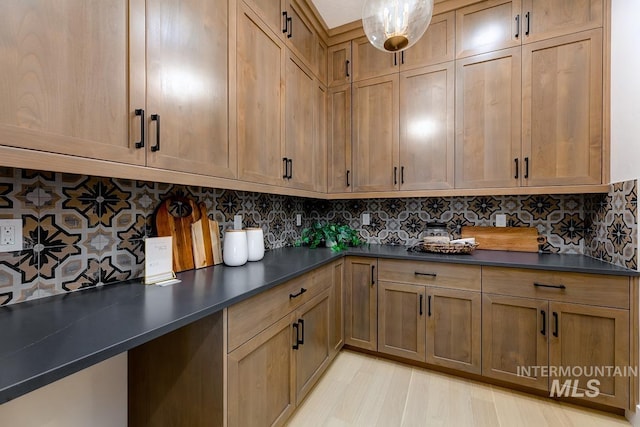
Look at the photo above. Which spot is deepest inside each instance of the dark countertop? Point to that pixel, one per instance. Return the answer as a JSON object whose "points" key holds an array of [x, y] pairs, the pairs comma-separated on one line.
{"points": [[47, 339]]}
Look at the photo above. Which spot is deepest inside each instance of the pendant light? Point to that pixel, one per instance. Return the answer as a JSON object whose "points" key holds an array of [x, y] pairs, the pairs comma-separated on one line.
{"points": [[395, 25]]}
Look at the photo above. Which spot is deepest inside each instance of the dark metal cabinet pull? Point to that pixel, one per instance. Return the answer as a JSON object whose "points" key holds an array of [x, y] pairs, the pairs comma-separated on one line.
{"points": [[517, 25], [526, 167], [302, 291], [296, 341], [301, 322], [346, 67], [517, 169], [555, 320], [285, 162], [156, 118], [285, 22], [402, 57], [140, 112], [348, 183], [402, 175], [290, 169], [421, 304], [373, 275], [544, 322], [542, 285], [290, 25], [395, 175], [528, 17], [429, 306], [395, 59], [417, 273]]}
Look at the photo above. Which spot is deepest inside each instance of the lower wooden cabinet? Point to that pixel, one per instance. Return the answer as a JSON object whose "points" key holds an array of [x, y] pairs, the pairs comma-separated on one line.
{"points": [[336, 307], [361, 303]]}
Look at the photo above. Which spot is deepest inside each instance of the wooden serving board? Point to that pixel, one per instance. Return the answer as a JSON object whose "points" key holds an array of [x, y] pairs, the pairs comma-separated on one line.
{"points": [[174, 217], [516, 239]]}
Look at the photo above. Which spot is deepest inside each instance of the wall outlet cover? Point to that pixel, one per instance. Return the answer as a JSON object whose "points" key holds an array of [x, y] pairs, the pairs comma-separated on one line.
{"points": [[366, 219], [237, 222], [501, 220], [10, 235], [298, 220]]}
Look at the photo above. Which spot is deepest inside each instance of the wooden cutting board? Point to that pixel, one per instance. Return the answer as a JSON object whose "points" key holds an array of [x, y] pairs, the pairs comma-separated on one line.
{"points": [[201, 240], [517, 239], [174, 217]]}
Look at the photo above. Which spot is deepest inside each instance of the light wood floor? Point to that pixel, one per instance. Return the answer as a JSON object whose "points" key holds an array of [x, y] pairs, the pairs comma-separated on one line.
{"points": [[361, 390]]}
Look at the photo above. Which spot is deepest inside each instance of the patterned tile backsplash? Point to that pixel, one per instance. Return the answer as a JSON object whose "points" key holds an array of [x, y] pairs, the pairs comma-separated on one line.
{"points": [[84, 231]]}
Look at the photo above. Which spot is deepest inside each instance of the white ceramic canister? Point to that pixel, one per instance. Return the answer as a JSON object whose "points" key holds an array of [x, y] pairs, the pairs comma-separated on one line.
{"points": [[235, 251], [255, 242]]}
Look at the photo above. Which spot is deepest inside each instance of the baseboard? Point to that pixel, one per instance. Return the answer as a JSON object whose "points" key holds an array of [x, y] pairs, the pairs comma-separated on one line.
{"points": [[633, 417]]}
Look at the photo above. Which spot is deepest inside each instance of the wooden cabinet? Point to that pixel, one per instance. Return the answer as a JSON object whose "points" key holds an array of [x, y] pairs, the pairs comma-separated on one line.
{"points": [[562, 110], [361, 303], [271, 13], [543, 19], [319, 156], [300, 35], [187, 75], [375, 134], [260, 62], [73, 74], [339, 167], [340, 64], [427, 127], [369, 62], [488, 121], [321, 61], [336, 313], [437, 45], [401, 320]]}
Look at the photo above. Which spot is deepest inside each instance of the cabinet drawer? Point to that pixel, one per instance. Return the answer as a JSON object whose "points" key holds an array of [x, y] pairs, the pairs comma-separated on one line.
{"points": [[454, 276], [578, 288], [248, 318]]}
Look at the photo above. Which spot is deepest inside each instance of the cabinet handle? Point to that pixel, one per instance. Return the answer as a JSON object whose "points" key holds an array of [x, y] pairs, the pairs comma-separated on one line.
{"points": [[285, 161], [290, 25], [140, 112], [296, 341], [395, 175], [395, 59], [373, 275], [542, 285], [517, 169], [528, 17], [402, 57], [285, 22], [555, 320], [429, 306], [526, 167], [290, 169], [156, 118], [402, 175], [348, 183], [301, 322], [544, 322], [302, 291], [421, 304], [517, 25], [417, 273], [346, 68]]}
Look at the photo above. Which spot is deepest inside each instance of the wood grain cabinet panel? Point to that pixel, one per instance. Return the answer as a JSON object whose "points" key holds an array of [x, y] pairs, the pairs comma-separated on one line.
{"points": [[336, 316], [339, 168], [369, 62], [488, 120], [544, 19], [437, 45], [73, 73], [187, 75], [375, 134], [340, 64], [260, 61], [300, 36], [270, 12], [361, 303], [562, 110], [319, 156]]}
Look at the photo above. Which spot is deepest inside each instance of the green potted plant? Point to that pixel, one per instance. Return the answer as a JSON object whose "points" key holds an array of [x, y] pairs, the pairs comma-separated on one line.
{"points": [[337, 237]]}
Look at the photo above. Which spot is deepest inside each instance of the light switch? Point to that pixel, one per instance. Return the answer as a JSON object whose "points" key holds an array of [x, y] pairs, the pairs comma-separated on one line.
{"points": [[10, 235], [298, 220]]}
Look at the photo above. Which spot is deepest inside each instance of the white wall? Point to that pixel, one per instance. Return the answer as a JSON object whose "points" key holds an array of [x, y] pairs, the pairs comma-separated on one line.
{"points": [[625, 90], [96, 397]]}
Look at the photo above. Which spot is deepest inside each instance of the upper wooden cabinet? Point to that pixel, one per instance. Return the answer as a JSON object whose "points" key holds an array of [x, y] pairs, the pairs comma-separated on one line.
{"points": [[543, 19], [73, 75], [187, 90], [562, 110], [339, 64], [339, 140], [260, 64], [370, 62], [437, 45]]}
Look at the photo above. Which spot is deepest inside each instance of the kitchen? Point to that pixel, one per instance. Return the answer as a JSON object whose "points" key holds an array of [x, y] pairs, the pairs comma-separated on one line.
{"points": [[82, 230]]}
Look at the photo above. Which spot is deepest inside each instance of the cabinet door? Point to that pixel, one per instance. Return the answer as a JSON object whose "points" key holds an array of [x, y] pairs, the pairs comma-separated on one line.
{"points": [[543, 19], [260, 378], [375, 134], [321, 62], [319, 156], [427, 127], [300, 36], [488, 26], [370, 62], [260, 100], [340, 65], [73, 73], [187, 69], [401, 320], [437, 45], [515, 340], [312, 354], [271, 12], [339, 140], [454, 329], [488, 131], [562, 110], [361, 303], [585, 336], [300, 135], [336, 314]]}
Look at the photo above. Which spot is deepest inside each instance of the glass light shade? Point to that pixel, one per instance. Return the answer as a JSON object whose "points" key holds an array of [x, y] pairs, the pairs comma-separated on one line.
{"points": [[395, 25]]}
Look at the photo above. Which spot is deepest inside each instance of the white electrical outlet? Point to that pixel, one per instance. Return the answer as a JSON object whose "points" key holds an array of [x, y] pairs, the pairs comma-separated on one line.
{"points": [[10, 235], [501, 220], [366, 219], [237, 222], [298, 220]]}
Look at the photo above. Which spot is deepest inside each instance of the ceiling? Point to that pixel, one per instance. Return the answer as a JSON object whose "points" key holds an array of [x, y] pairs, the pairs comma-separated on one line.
{"points": [[339, 12]]}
